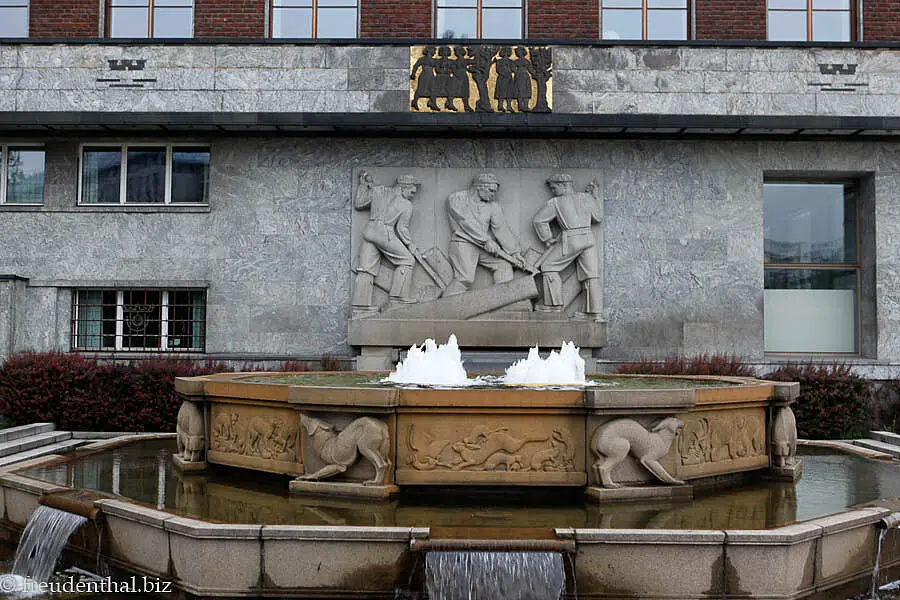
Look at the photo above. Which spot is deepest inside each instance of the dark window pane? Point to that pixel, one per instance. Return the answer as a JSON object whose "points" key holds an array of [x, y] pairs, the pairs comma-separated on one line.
{"points": [[101, 171], [146, 182], [810, 223], [141, 319], [190, 175], [25, 176], [187, 317], [95, 320]]}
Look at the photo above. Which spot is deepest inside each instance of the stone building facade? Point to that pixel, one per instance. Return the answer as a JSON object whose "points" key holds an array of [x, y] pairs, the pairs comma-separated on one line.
{"points": [[197, 196]]}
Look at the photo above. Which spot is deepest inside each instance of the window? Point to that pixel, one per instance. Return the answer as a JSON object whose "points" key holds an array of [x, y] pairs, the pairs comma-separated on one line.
{"points": [[151, 174], [488, 19], [139, 320], [644, 19], [13, 18], [22, 175], [151, 18], [810, 20], [812, 271], [314, 18]]}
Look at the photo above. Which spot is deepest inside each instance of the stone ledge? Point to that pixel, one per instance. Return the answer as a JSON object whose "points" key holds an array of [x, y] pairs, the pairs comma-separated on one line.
{"points": [[646, 536], [201, 529], [338, 533], [629, 494], [346, 490], [133, 512]]}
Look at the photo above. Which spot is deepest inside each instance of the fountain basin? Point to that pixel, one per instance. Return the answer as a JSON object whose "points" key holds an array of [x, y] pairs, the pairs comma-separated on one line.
{"points": [[829, 556], [477, 436]]}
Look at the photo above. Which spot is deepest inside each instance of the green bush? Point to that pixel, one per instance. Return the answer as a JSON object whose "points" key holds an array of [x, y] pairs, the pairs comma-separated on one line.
{"points": [[834, 402]]}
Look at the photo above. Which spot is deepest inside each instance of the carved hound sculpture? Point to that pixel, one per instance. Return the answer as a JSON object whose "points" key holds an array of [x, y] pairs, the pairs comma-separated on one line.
{"points": [[613, 441], [339, 450]]}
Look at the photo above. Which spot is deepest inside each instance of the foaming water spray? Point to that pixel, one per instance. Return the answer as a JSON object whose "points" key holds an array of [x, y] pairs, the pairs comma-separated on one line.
{"points": [[432, 364], [565, 367]]}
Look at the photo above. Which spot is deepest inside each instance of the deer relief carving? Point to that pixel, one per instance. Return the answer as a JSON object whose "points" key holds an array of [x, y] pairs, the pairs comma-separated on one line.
{"points": [[339, 450], [612, 442]]}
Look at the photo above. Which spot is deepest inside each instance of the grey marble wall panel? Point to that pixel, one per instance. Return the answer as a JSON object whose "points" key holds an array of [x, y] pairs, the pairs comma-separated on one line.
{"points": [[683, 235]]}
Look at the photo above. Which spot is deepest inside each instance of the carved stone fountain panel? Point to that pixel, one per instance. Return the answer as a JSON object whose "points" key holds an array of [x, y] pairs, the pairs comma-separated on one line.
{"points": [[490, 448], [347, 443], [719, 441], [630, 471], [259, 437]]}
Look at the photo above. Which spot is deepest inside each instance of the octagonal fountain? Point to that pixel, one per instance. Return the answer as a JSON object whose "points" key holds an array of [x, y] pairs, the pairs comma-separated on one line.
{"points": [[361, 475]]}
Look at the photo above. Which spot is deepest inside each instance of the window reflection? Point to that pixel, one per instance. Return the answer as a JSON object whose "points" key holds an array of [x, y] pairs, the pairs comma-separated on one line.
{"points": [[314, 18], [486, 19], [14, 19], [151, 18], [810, 20]]}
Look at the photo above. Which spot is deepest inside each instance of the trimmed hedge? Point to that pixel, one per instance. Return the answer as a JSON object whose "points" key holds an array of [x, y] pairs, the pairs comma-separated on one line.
{"points": [[834, 402], [83, 395], [703, 364]]}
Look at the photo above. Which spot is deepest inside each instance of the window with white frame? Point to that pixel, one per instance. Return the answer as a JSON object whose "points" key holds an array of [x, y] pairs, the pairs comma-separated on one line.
{"points": [[13, 18], [810, 20], [314, 18], [139, 320], [812, 269], [644, 19], [144, 174], [480, 19], [150, 18], [22, 174]]}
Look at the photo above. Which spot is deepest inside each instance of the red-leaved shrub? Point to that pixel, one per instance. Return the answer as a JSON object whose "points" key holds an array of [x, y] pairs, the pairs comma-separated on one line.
{"points": [[834, 402], [702, 364]]}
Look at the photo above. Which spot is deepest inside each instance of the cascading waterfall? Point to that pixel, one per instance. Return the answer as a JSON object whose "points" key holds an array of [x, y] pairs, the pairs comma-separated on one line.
{"points": [[874, 592], [42, 543], [475, 575]]}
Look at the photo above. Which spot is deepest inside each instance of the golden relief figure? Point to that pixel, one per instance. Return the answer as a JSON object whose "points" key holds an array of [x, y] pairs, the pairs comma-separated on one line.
{"points": [[482, 78]]}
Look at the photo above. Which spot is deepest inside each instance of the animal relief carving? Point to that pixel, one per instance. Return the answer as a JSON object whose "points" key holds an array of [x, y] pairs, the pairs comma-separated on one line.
{"points": [[784, 438], [190, 440], [612, 442], [261, 435], [492, 449], [718, 439], [339, 450]]}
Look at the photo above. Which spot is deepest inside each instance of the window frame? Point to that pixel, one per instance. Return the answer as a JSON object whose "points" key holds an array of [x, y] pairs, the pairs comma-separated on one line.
{"points": [[479, 9], [123, 172], [119, 335], [27, 5], [856, 185], [4, 172], [809, 20], [107, 26], [270, 6], [688, 11]]}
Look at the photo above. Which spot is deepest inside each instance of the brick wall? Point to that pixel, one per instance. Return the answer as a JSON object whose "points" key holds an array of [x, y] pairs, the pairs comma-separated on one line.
{"points": [[72, 18], [732, 19], [230, 18], [395, 18], [562, 19], [881, 21]]}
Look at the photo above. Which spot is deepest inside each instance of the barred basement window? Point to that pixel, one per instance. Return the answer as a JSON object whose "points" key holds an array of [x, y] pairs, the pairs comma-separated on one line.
{"points": [[139, 320], [480, 19], [314, 18], [150, 18], [644, 19], [153, 174], [13, 18]]}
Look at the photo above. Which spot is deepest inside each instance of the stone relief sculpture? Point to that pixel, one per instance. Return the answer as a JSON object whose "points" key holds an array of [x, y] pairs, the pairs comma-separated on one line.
{"points": [[481, 235], [612, 442], [385, 235], [564, 226], [492, 449], [190, 439], [262, 436], [340, 450], [711, 440], [784, 438], [505, 78]]}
